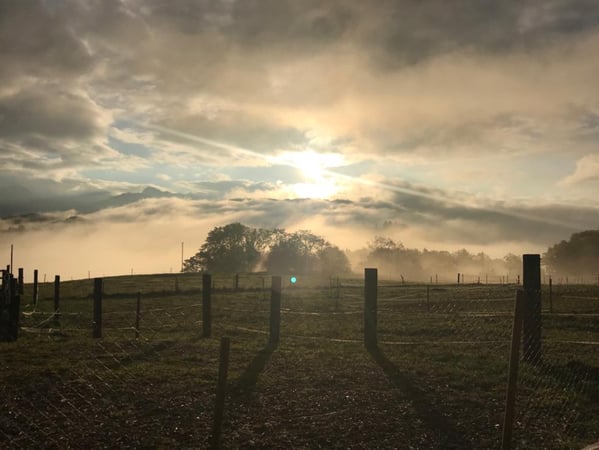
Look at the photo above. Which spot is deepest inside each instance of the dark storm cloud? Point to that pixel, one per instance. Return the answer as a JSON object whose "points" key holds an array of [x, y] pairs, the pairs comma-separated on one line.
{"points": [[47, 111], [298, 26], [408, 32], [34, 42]]}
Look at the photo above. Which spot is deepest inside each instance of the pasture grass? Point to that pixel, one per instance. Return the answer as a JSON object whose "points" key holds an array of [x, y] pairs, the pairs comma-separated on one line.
{"points": [[436, 380]]}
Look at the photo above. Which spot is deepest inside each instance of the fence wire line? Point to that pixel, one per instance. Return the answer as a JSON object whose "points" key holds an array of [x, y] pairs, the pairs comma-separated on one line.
{"points": [[112, 367]]}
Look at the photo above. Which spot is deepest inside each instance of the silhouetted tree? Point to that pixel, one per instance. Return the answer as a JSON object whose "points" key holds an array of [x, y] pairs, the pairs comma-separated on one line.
{"points": [[578, 256], [295, 252], [232, 248], [393, 259], [332, 260]]}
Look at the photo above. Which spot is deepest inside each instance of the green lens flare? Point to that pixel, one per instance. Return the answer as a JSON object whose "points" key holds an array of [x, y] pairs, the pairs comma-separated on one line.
{"points": [[293, 280]]}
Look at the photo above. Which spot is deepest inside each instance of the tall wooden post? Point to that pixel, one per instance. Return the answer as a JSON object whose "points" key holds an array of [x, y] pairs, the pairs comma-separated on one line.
{"points": [[57, 298], [221, 393], [14, 311], [137, 314], [35, 287], [97, 308], [428, 299], [512, 382], [532, 312], [370, 308], [550, 295], [458, 278], [21, 288], [206, 305], [275, 311]]}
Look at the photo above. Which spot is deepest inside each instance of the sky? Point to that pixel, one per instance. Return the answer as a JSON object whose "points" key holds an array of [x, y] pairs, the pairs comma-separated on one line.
{"points": [[128, 127]]}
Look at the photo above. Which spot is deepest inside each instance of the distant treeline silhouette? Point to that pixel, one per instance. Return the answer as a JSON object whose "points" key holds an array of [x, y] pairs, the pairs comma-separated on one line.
{"points": [[238, 248], [579, 256]]}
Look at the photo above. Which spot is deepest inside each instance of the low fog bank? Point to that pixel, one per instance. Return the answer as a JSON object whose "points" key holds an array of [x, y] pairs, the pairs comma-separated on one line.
{"points": [[146, 237], [405, 264]]}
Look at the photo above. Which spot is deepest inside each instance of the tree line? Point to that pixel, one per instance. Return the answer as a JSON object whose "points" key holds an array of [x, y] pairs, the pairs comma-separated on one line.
{"points": [[578, 256], [238, 248]]}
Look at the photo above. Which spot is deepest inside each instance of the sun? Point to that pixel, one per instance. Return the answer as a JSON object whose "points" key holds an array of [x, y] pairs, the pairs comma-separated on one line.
{"points": [[319, 182]]}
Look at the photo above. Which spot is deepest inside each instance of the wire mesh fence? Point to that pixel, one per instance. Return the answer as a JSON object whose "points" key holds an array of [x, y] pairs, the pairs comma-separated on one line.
{"points": [[436, 380]]}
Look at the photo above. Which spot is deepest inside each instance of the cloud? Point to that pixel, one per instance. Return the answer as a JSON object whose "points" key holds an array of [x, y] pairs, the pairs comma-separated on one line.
{"points": [[38, 43], [587, 170], [456, 120]]}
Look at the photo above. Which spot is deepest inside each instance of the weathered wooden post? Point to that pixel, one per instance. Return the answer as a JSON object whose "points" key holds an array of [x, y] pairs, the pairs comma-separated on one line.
{"points": [[57, 298], [458, 278], [550, 295], [206, 305], [428, 298], [532, 312], [97, 331], [21, 288], [275, 311], [370, 308], [14, 311], [221, 393], [35, 287], [137, 314], [512, 381]]}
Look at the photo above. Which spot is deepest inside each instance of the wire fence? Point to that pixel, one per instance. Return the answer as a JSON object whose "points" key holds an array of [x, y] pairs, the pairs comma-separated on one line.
{"points": [[436, 380]]}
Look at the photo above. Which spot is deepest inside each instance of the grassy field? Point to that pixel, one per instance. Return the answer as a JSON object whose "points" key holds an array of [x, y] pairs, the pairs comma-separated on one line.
{"points": [[437, 379]]}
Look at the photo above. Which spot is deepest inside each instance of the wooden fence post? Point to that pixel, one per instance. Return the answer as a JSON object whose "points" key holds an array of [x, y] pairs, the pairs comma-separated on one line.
{"points": [[35, 287], [550, 295], [14, 311], [512, 381], [532, 311], [370, 308], [221, 393], [137, 315], [206, 305], [458, 278], [57, 299], [97, 308], [275, 310], [21, 288], [428, 298]]}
